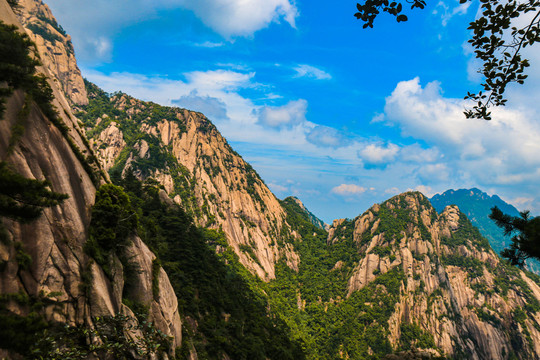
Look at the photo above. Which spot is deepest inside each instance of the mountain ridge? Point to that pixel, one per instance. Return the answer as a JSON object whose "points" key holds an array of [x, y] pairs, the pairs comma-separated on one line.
{"points": [[477, 205]]}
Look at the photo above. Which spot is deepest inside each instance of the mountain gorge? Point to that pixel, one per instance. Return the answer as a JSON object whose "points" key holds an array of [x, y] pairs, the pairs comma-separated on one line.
{"points": [[167, 244]]}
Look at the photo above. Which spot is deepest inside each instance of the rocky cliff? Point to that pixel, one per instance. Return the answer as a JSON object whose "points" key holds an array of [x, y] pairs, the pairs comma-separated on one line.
{"points": [[179, 148], [187, 155], [55, 49], [452, 285], [44, 262]]}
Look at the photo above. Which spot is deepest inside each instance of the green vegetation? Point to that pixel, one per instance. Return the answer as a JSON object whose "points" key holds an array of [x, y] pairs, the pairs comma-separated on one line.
{"points": [[23, 199], [314, 301], [225, 311], [18, 70], [477, 206], [412, 336], [42, 31], [34, 338]]}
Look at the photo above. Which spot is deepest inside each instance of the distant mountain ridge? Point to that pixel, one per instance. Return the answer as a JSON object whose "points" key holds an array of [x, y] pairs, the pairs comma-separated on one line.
{"points": [[477, 205]]}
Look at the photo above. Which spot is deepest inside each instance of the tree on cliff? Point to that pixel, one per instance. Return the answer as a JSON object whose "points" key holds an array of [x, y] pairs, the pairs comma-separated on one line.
{"points": [[23, 199], [497, 41], [525, 242]]}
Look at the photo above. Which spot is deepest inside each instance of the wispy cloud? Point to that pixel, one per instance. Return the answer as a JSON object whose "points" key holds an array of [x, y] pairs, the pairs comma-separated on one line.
{"points": [[326, 136], [309, 71], [348, 190], [209, 44]]}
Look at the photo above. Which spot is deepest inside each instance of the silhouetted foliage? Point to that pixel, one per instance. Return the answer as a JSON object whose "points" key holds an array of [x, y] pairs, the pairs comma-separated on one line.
{"points": [[525, 242], [497, 40]]}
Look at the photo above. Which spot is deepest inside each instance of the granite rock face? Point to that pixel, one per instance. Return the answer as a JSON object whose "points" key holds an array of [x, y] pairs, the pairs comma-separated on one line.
{"points": [[60, 269], [55, 49], [456, 287], [199, 170]]}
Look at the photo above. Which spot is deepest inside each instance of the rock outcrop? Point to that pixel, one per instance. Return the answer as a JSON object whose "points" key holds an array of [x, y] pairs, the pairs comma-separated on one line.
{"points": [[185, 152], [455, 287], [75, 289], [55, 49]]}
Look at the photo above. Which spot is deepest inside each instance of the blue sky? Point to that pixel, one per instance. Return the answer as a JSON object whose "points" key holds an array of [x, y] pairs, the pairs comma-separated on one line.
{"points": [[339, 116]]}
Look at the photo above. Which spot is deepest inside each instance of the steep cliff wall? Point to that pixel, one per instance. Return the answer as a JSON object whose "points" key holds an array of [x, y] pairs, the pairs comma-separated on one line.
{"points": [[208, 178], [185, 152], [57, 273], [55, 48], [453, 287]]}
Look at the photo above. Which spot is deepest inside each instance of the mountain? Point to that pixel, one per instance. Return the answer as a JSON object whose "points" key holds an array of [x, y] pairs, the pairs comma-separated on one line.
{"points": [[153, 238], [432, 280], [186, 154], [304, 212], [46, 276], [477, 205]]}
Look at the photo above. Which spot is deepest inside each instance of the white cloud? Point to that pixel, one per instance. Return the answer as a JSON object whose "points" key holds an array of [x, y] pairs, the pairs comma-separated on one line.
{"points": [[522, 203], [447, 14], [377, 118], [392, 191], [415, 153], [278, 188], [209, 44], [290, 114], [220, 79], [348, 189], [231, 18], [501, 154], [375, 154], [426, 190], [103, 19], [326, 136], [309, 71], [102, 46], [212, 107]]}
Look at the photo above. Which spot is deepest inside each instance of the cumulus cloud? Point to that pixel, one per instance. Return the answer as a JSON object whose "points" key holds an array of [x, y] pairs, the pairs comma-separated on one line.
{"points": [[290, 114], [489, 154], [232, 18], [377, 154], [348, 189], [311, 72], [212, 107], [325, 136]]}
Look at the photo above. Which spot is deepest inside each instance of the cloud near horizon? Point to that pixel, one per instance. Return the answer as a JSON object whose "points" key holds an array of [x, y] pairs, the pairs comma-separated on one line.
{"points": [[348, 189]]}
